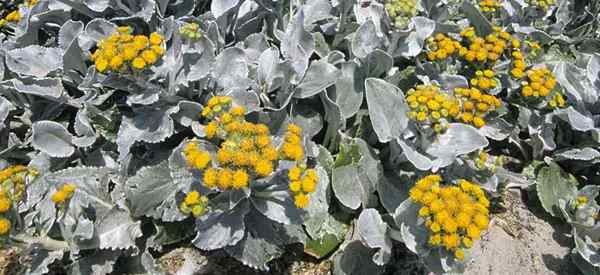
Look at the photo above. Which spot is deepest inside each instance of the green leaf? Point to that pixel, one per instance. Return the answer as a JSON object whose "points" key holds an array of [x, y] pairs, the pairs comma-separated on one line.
{"points": [[372, 230], [52, 138], [477, 20], [320, 76], [387, 109], [365, 40], [346, 186], [322, 247], [553, 184]]}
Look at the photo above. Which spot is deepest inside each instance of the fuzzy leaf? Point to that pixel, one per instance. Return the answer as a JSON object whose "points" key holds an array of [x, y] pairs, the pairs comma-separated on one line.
{"points": [[117, 230], [217, 228], [349, 89], [297, 45], [459, 139], [52, 138], [373, 232], [365, 40], [346, 186], [34, 60], [220, 7], [552, 185], [356, 259], [387, 109], [320, 76], [278, 205]]}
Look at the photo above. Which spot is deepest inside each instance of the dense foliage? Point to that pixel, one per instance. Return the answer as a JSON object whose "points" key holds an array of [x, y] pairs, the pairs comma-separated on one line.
{"points": [[351, 127]]}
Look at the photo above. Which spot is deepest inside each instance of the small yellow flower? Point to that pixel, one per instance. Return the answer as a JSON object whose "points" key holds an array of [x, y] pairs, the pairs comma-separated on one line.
{"points": [[4, 205], [210, 177], [158, 50], [155, 38], [294, 173], [4, 226], [240, 179], [308, 185], [201, 160], [124, 29], [211, 129], [295, 186], [263, 168], [101, 64], [69, 188], [116, 63], [294, 129], [192, 198], [459, 254], [129, 52], [238, 111], [139, 63], [149, 56], [59, 196], [225, 179], [301, 200], [198, 210], [140, 42]]}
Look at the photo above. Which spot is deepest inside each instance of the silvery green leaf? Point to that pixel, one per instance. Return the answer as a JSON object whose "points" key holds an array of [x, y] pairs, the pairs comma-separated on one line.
{"points": [[42, 259], [387, 109], [150, 124], [391, 193], [52, 138], [575, 82], [152, 192], [577, 120], [356, 259], [5, 108], [320, 76], [276, 202], [369, 168], [50, 88], [95, 30], [188, 112], [417, 159], [254, 45], [412, 44], [217, 228], [318, 222], [316, 10], [369, 11], [68, 33], [459, 139], [477, 20], [199, 59], [553, 184], [593, 70], [248, 99], [83, 128], [586, 244], [116, 230], [231, 69], [255, 252], [497, 129], [297, 45], [97, 5], [34, 60], [170, 233], [365, 40], [584, 266], [349, 89], [346, 186], [373, 232], [414, 235], [100, 262], [220, 7], [583, 154], [143, 9], [307, 117], [378, 63]]}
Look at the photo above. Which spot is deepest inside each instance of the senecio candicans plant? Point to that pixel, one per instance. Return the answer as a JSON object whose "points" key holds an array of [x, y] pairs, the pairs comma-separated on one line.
{"points": [[357, 130]]}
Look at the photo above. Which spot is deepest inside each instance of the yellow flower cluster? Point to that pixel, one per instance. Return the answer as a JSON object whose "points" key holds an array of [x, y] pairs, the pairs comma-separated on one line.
{"points": [[122, 51], [215, 106], [292, 149], [542, 4], [540, 84], [246, 149], [488, 49], [190, 31], [518, 70], [194, 204], [64, 193], [15, 16], [430, 106], [12, 179], [489, 5], [558, 101], [484, 161], [401, 11], [441, 47], [484, 80], [454, 215], [475, 105], [302, 182]]}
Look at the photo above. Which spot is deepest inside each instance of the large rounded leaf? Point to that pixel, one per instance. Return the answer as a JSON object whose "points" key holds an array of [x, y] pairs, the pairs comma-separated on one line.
{"points": [[387, 109], [53, 139]]}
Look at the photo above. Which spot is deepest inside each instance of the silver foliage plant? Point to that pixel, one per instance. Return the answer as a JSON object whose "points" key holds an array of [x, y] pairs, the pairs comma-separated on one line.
{"points": [[339, 69]]}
